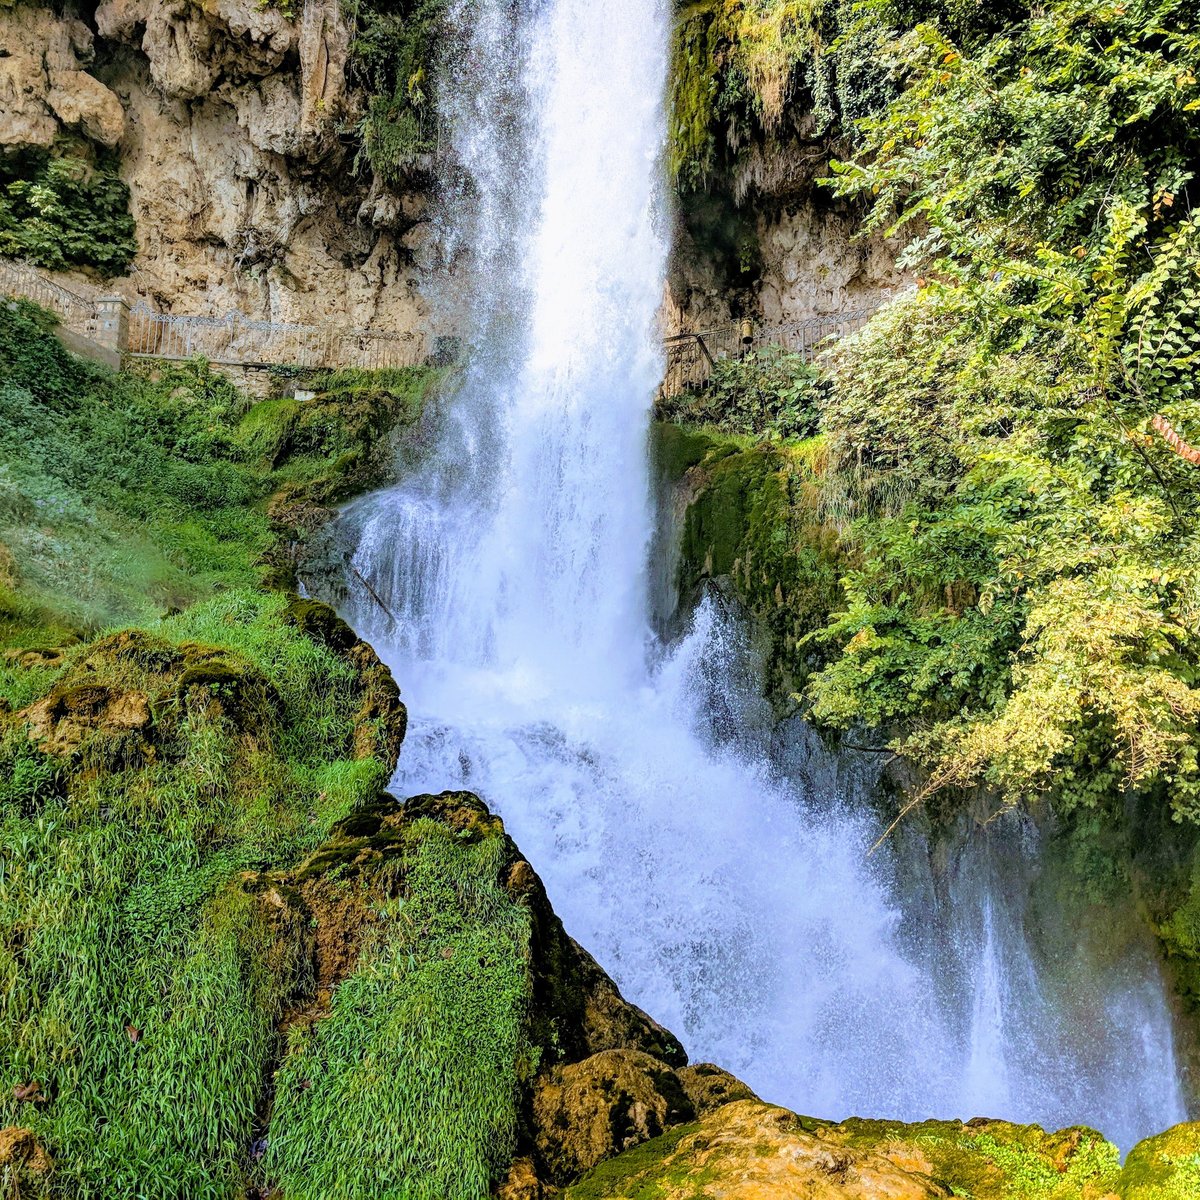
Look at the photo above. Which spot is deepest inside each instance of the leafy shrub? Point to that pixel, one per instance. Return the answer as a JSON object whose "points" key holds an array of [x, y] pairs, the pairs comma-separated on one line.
{"points": [[767, 393], [1020, 592], [393, 58], [993, 438], [66, 207]]}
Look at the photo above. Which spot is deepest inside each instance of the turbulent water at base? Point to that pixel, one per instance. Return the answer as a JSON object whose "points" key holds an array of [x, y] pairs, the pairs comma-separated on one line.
{"points": [[509, 592]]}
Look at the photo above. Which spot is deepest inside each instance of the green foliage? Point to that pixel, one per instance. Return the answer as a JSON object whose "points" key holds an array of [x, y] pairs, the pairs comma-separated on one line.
{"points": [[1022, 154], [161, 787], [407, 1090], [1047, 178], [1021, 593], [123, 496], [65, 207], [767, 393], [1165, 1167], [749, 71], [393, 58]]}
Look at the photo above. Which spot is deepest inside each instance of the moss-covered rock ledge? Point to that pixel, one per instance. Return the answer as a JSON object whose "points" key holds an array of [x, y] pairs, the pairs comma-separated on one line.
{"points": [[748, 1150], [749, 521]]}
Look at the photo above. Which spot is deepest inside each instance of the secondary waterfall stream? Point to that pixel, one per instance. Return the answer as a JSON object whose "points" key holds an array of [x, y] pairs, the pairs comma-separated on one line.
{"points": [[731, 898]]}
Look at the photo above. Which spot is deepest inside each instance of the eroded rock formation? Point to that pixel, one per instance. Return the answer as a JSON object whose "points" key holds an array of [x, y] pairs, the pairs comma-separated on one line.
{"points": [[231, 121]]}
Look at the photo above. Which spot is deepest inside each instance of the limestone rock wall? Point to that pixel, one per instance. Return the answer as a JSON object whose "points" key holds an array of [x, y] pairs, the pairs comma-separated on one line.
{"points": [[813, 264], [801, 252], [45, 86], [231, 122]]}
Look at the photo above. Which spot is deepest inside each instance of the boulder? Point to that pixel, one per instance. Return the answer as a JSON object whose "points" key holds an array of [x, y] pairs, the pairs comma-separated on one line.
{"points": [[72, 713], [80, 101], [709, 1086], [749, 1150], [1163, 1167], [43, 86], [25, 1165], [589, 1111]]}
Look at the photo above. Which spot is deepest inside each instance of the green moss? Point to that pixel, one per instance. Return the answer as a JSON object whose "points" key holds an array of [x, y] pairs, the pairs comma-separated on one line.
{"points": [[678, 448], [695, 87], [1164, 1167], [393, 57], [267, 428], [638, 1174], [995, 1160], [753, 520]]}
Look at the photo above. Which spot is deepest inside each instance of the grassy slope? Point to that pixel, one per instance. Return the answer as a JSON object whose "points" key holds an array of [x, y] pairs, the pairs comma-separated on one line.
{"points": [[121, 498], [152, 778]]}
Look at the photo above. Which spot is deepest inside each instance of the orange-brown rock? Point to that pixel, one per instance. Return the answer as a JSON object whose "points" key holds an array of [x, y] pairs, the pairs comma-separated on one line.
{"points": [[749, 1150], [24, 1163], [521, 1183], [62, 722], [588, 1111], [709, 1086]]}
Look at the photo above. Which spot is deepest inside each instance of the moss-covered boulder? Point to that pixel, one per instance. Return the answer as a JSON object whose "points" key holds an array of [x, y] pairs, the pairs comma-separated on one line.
{"points": [[752, 1151], [144, 776], [751, 522], [445, 1036], [588, 1111], [25, 1167], [1164, 1167], [748, 1150]]}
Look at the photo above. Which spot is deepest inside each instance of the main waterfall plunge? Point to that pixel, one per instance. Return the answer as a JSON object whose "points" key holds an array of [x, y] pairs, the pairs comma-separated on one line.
{"points": [[729, 897]]}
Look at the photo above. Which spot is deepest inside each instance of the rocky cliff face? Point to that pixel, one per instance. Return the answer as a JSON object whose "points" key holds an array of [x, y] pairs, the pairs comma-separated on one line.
{"points": [[233, 123], [230, 119], [769, 243]]}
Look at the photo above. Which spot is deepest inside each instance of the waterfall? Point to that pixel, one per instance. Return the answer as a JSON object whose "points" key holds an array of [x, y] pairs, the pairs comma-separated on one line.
{"points": [[736, 906]]}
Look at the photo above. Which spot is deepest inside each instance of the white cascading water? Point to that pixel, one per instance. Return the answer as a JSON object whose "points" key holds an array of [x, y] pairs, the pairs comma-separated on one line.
{"points": [[508, 591]]}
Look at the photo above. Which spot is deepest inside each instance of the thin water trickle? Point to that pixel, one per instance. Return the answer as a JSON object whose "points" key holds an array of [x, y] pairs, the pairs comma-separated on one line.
{"points": [[737, 907]]}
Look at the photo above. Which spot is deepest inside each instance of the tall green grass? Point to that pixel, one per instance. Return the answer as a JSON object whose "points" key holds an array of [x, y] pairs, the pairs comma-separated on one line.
{"points": [[408, 1090], [125, 495], [140, 984], [142, 977]]}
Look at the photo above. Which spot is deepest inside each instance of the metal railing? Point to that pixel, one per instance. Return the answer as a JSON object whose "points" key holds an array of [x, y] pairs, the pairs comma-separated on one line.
{"points": [[691, 357], [232, 340], [77, 312], [238, 340]]}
